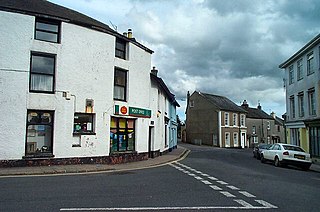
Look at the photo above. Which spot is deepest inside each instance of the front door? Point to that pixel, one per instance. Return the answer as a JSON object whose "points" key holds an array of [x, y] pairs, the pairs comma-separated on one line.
{"points": [[150, 142], [243, 139]]}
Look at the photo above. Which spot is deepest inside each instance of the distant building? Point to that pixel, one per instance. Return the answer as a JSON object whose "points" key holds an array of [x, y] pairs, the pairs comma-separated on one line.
{"points": [[302, 83], [261, 127], [215, 120]]}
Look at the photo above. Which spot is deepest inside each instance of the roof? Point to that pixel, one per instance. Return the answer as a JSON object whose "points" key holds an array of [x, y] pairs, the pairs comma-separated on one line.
{"points": [[164, 87], [46, 9], [279, 121], [302, 51], [256, 113], [223, 103]]}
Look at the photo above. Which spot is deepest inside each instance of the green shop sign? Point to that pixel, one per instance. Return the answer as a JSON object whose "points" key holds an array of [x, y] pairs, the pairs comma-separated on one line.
{"points": [[132, 111]]}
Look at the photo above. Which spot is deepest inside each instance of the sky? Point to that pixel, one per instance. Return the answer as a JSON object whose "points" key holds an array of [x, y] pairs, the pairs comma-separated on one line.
{"points": [[230, 48]]}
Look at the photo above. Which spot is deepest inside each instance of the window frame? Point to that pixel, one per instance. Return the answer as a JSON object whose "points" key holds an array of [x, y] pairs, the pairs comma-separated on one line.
{"points": [[226, 119], [242, 120], [123, 51], [301, 104], [292, 107], [235, 119], [291, 75], [310, 63], [300, 69], [93, 123], [31, 72], [38, 122], [125, 86], [312, 102], [48, 22]]}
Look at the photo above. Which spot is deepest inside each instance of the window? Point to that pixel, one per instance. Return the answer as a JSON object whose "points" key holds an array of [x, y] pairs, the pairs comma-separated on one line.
{"points": [[299, 69], [120, 84], [310, 63], [292, 107], [300, 104], [39, 133], [191, 103], [226, 119], [42, 73], [227, 139], [83, 123], [47, 30], [122, 135], [235, 119], [120, 48], [235, 140], [242, 120], [312, 102], [254, 130], [291, 75]]}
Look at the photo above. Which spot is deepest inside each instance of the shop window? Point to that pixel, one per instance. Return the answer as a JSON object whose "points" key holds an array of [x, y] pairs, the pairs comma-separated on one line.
{"points": [[122, 135], [120, 84], [84, 123], [42, 73], [47, 30], [39, 139]]}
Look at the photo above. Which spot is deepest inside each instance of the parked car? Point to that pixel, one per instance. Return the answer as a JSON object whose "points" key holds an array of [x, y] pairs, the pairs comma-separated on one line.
{"points": [[287, 154], [259, 148]]}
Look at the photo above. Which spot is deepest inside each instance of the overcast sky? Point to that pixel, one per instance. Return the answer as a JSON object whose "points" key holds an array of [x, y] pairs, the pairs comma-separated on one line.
{"points": [[231, 48]]}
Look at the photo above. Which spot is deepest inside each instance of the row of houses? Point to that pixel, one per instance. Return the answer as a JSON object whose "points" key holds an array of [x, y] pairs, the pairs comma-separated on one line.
{"points": [[73, 90], [217, 121], [302, 83]]}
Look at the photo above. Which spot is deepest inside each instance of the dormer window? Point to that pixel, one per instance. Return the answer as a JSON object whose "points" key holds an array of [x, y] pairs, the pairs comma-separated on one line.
{"points": [[47, 30], [121, 48]]}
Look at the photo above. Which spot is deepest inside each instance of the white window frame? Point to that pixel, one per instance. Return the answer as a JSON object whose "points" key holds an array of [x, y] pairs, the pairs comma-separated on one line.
{"points": [[227, 139], [235, 140], [300, 69], [226, 119], [291, 75], [310, 63], [242, 120], [235, 119]]}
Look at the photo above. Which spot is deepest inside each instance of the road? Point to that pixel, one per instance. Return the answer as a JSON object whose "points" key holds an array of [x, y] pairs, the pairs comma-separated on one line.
{"points": [[209, 179]]}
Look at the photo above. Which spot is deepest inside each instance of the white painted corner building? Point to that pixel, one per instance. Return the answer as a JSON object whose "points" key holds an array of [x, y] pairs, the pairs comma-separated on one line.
{"points": [[71, 87]]}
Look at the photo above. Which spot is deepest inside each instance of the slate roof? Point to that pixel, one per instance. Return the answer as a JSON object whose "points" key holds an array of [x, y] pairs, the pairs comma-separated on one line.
{"points": [[256, 113], [164, 87], [46, 9], [223, 103]]}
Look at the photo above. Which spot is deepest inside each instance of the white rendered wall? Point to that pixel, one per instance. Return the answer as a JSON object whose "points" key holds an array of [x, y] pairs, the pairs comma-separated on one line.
{"points": [[85, 64]]}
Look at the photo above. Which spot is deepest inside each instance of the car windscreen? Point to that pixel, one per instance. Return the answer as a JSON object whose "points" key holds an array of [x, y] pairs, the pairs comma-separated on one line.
{"points": [[293, 148]]}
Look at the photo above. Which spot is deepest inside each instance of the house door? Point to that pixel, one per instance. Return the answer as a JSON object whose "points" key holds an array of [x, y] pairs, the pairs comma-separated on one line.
{"points": [[150, 142], [243, 139]]}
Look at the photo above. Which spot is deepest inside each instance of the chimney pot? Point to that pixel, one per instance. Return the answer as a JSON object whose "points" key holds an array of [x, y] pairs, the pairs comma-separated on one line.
{"points": [[154, 71], [129, 33]]}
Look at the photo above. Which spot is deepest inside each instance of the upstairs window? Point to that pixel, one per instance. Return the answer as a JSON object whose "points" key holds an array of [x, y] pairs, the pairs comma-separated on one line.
{"points": [[235, 119], [121, 48], [226, 119], [47, 30], [299, 69], [291, 75], [242, 120], [42, 73], [301, 104], [312, 102], [120, 84], [292, 107], [310, 64]]}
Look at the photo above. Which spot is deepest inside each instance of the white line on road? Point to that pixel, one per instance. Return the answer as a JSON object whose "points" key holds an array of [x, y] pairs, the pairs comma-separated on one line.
{"points": [[191, 174], [205, 175], [243, 203], [216, 188], [227, 194], [247, 194], [266, 204], [232, 187], [222, 182], [206, 182], [212, 178], [198, 178]]}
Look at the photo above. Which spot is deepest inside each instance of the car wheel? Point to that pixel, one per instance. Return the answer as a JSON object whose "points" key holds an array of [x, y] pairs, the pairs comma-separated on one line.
{"points": [[262, 159], [277, 163]]}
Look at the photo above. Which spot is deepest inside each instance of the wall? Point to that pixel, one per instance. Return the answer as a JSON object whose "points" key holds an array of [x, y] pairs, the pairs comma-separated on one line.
{"points": [[85, 64]]}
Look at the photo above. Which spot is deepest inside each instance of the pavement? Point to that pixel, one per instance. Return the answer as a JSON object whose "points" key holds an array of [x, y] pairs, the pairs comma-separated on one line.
{"points": [[176, 155]]}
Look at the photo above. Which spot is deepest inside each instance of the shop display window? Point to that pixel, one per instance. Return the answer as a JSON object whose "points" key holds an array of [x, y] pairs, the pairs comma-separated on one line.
{"points": [[122, 134], [83, 123]]}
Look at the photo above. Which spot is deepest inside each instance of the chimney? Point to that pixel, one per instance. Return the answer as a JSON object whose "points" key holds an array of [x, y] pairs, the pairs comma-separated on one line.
{"points": [[273, 115], [245, 104], [259, 106], [154, 71], [125, 34], [130, 33]]}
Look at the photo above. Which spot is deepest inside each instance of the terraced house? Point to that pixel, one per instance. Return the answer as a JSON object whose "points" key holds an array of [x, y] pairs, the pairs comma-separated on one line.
{"points": [[302, 82], [73, 90]]}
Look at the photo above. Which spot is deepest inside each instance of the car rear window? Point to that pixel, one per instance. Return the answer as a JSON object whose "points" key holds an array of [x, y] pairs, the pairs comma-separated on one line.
{"points": [[293, 148]]}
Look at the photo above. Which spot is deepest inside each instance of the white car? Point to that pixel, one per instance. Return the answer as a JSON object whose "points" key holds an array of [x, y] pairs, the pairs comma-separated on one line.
{"points": [[287, 154]]}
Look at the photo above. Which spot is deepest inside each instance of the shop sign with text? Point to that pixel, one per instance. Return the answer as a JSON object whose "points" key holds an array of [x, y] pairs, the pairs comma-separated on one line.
{"points": [[131, 111]]}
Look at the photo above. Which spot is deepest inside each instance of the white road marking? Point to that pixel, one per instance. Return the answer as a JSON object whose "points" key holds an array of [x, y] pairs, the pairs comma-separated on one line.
{"points": [[247, 194], [198, 178], [216, 188], [243, 203], [212, 178], [222, 182], [205, 175], [266, 204], [199, 172], [227, 194], [206, 182], [232, 187], [191, 174]]}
